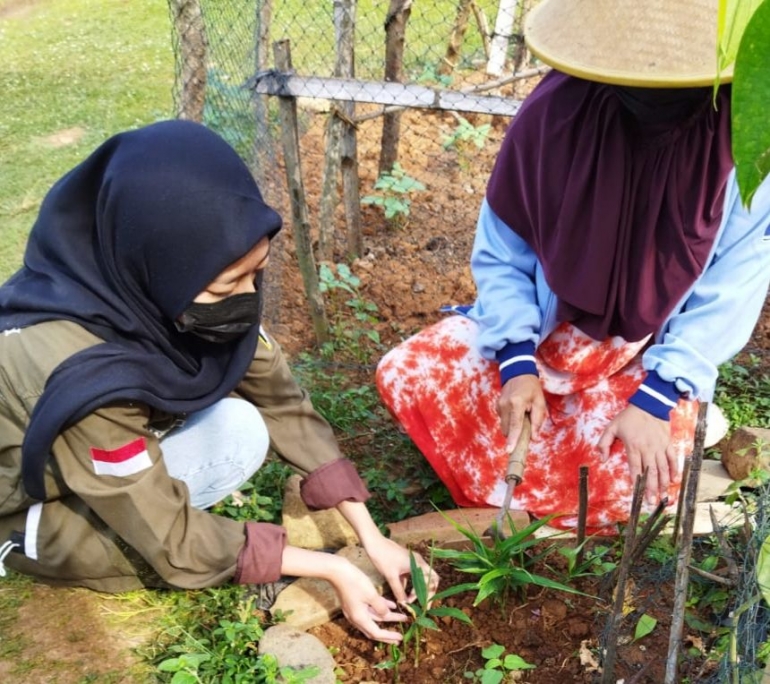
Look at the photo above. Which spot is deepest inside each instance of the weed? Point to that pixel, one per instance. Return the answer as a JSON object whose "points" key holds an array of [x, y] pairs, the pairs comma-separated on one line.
{"points": [[497, 666], [211, 637], [465, 133], [250, 503], [596, 560], [503, 565], [743, 393], [394, 197], [349, 338]]}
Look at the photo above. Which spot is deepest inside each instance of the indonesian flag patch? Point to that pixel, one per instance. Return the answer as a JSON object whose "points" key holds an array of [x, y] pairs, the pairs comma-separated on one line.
{"points": [[128, 459]]}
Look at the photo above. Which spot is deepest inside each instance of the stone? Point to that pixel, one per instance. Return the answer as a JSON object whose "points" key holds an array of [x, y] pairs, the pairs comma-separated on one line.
{"points": [[748, 449], [299, 650], [714, 480], [310, 601], [313, 529]]}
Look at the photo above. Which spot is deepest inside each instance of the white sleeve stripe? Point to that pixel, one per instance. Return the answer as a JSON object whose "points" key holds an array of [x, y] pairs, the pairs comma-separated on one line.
{"points": [[657, 395], [517, 359], [34, 513]]}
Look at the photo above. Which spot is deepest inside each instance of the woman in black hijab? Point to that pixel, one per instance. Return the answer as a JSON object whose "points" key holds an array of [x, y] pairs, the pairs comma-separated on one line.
{"points": [[131, 365]]}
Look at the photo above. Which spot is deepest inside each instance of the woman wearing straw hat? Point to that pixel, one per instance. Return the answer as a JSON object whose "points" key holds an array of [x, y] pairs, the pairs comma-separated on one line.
{"points": [[616, 268]]}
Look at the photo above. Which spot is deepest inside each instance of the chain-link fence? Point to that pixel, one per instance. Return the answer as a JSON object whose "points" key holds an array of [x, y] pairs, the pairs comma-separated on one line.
{"points": [[398, 91]]}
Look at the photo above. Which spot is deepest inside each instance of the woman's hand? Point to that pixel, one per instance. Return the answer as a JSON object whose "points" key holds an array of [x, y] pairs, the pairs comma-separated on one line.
{"points": [[390, 559], [520, 395], [648, 445], [363, 606], [361, 603]]}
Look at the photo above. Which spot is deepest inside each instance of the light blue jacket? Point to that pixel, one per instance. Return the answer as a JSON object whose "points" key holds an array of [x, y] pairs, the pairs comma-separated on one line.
{"points": [[516, 309]]}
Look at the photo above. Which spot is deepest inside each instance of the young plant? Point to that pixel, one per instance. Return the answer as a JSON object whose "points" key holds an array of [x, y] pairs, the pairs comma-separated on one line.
{"points": [[424, 609], [596, 560], [396, 189], [503, 565], [497, 666], [465, 133], [340, 279]]}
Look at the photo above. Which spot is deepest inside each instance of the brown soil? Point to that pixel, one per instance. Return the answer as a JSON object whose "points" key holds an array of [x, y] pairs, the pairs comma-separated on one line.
{"points": [[560, 634]]}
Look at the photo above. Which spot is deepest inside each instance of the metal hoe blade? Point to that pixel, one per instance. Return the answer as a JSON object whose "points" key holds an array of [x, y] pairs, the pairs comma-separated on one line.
{"points": [[514, 473]]}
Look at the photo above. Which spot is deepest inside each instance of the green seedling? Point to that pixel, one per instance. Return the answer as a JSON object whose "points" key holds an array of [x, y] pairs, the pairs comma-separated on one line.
{"points": [[502, 566], [346, 337], [424, 609], [465, 133], [596, 561], [497, 666], [394, 196]]}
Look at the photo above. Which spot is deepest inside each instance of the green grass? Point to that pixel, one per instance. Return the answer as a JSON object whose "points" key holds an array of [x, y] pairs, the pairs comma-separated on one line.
{"points": [[94, 66]]}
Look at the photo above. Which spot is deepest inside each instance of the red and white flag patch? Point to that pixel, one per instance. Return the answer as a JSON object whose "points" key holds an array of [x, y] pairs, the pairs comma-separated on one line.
{"points": [[128, 459]]}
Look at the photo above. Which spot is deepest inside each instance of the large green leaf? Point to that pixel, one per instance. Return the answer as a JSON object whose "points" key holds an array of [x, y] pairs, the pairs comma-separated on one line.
{"points": [[751, 104], [732, 19]]}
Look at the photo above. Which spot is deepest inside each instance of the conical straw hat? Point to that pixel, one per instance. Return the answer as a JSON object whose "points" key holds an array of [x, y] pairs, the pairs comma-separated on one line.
{"points": [[648, 43]]}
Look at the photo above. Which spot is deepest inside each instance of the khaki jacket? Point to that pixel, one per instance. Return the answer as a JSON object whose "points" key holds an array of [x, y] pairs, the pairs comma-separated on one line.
{"points": [[116, 533]]}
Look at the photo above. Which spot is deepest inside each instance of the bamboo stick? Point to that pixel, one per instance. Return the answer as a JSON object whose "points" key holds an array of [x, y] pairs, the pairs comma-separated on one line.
{"points": [[685, 548]]}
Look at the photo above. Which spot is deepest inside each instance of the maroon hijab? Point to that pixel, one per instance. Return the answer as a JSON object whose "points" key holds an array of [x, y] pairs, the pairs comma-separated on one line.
{"points": [[621, 212]]}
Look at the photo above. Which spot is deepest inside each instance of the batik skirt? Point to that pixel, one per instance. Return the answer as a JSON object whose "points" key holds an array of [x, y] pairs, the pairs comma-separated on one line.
{"points": [[443, 394]]}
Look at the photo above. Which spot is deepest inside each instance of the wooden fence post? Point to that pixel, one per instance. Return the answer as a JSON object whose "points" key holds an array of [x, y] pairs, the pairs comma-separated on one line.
{"points": [[341, 146], [299, 210], [456, 37], [395, 33]]}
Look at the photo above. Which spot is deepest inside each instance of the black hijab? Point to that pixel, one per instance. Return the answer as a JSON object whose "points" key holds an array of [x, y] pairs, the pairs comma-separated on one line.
{"points": [[122, 245]]}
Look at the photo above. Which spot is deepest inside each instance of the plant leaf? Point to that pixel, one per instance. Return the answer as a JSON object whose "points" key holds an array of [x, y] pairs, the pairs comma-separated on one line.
{"points": [[491, 677], [449, 611], [418, 582], [493, 651], [750, 104], [763, 570], [645, 625], [515, 662], [732, 18]]}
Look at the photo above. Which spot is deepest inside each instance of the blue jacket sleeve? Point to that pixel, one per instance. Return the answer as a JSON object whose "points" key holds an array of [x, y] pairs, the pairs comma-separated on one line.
{"points": [[718, 315], [506, 307]]}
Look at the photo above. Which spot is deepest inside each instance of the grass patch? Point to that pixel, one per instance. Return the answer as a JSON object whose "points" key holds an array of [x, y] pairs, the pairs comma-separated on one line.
{"points": [[74, 73]]}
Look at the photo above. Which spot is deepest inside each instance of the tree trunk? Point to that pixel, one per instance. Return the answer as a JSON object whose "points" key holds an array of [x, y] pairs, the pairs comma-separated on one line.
{"points": [[193, 44], [341, 146], [299, 210], [395, 33], [456, 38]]}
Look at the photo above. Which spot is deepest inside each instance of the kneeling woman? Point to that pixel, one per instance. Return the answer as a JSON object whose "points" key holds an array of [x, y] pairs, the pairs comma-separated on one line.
{"points": [[137, 387], [616, 268]]}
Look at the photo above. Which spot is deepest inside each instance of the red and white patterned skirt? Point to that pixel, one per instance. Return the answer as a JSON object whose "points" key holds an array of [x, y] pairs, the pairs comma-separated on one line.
{"points": [[444, 394]]}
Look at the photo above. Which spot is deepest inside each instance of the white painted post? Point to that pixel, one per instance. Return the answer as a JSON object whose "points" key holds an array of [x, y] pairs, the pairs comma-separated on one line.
{"points": [[498, 49]]}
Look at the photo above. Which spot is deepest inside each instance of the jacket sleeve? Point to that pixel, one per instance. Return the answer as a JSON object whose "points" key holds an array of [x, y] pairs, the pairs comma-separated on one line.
{"points": [[717, 317], [112, 461], [298, 433], [506, 307]]}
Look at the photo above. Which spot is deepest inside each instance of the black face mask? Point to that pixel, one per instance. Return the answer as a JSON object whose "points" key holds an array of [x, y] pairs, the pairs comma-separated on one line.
{"points": [[222, 321], [662, 105]]}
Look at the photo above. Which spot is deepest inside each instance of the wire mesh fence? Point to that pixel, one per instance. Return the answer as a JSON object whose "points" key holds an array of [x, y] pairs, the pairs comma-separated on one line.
{"points": [[426, 49]]}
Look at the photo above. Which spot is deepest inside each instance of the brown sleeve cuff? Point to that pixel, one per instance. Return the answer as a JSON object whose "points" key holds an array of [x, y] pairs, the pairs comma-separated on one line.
{"points": [[332, 483], [260, 558]]}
